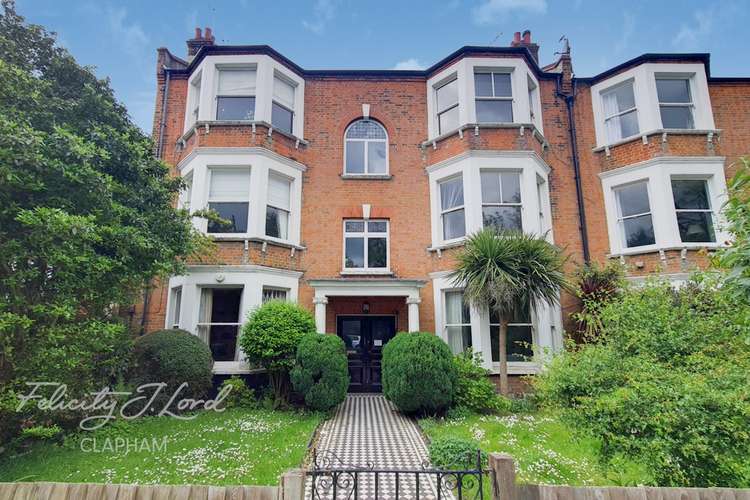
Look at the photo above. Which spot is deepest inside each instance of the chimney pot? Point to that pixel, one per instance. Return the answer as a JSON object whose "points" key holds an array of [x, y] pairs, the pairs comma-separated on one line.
{"points": [[208, 33], [527, 37], [197, 33], [201, 39], [516, 39]]}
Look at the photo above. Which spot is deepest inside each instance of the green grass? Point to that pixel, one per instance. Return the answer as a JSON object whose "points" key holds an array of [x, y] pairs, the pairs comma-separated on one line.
{"points": [[233, 447], [546, 450]]}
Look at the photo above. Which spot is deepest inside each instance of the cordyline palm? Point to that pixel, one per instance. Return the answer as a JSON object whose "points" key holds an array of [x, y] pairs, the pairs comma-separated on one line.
{"points": [[509, 271]]}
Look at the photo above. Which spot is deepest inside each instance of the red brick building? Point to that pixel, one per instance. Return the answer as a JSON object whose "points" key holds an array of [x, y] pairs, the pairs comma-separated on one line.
{"points": [[349, 191]]}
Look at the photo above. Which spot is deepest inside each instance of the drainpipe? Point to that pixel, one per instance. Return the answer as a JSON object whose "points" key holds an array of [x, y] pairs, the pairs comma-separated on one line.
{"points": [[569, 102]]}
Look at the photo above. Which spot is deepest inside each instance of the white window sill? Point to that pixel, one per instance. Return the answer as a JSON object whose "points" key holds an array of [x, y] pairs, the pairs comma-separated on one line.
{"points": [[667, 131], [261, 239], [655, 249], [366, 272], [367, 177], [517, 368], [447, 244], [234, 368]]}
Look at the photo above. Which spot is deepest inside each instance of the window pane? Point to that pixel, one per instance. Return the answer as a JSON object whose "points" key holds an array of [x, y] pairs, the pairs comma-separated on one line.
{"points": [[633, 199], [380, 226], [502, 85], [234, 212], [377, 249], [511, 187], [281, 118], [456, 310], [494, 111], [283, 91], [639, 231], [448, 120], [279, 191], [459, 338], [491, 187], [355, 157], [696, 227], [365, 129], [237, 82], [277, 223], [508, 218], [690, 193], [454, 225], [519, 343], [452, 193], [676, 117], [355, 226], [673, 90], [235, 108], [447, 95], [355, 252], [628, 124], [229, 184], [483, 84], [376, 158], [619, 99]]}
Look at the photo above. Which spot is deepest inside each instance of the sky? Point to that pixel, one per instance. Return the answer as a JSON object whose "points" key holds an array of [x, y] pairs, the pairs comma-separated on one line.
{"points": [[120, 38]]}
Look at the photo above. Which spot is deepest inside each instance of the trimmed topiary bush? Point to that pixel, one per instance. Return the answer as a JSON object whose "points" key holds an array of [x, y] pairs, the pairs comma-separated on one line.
{"points": [[418, 373], [474, 390], [270, 339], [173, 357], [321, 373]]}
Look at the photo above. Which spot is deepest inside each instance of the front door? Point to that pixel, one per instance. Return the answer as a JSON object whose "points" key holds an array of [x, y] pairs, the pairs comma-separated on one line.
{"points": [[365, 337]]}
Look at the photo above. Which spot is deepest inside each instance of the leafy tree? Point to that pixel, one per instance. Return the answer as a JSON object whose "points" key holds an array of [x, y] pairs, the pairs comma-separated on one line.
{"points": [[509, 272], [736, 258], [86, 218], [270, 338]]}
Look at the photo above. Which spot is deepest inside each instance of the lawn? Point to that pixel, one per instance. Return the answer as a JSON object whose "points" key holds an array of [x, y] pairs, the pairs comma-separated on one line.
{"points": [[233, 447], [546, 450]]}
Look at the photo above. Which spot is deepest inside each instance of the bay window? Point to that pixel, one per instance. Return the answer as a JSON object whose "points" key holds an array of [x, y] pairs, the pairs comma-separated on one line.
{"points": [[675, 102], [282, 112], [452, 216], [457, 322], [235, 95], [366, 245], [494, 97], [620, 113], [634, 217], [229, 196], [446, 97], [278, 208], [693, 210], [501, 199]]}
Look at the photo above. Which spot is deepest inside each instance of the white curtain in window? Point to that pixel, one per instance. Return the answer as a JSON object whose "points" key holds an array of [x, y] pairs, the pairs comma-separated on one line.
{"points": [[452, 193], [237, 82], [204, 313], [229, 184], [614, 130], [283, 92], [454, 307], [279, 192]]}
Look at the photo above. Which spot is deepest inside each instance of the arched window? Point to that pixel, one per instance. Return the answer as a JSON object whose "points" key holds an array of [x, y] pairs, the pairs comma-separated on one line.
{"points": [[366, 148]]}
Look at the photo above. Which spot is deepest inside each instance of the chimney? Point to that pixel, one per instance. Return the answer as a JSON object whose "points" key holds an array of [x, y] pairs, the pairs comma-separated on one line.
{"points": [[200, 40], [524, 40]]}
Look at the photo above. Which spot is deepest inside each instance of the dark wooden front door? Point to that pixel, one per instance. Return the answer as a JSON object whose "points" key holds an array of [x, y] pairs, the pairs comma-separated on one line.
{"points": [[365, 337]]}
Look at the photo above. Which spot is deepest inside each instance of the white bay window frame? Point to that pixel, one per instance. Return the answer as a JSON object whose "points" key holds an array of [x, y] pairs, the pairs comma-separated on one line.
{"points": [[647, 101], [267, 69], [262, 163], [658, 173], [469, 165], [463, 71]]}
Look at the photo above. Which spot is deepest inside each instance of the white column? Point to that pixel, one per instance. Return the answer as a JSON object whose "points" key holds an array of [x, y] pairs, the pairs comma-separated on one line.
{"points": [[413, 303], [320, 313]]}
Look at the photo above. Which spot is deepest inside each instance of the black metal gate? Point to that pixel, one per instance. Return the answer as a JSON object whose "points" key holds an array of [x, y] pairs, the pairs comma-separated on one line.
{"points": [[331, 479]]}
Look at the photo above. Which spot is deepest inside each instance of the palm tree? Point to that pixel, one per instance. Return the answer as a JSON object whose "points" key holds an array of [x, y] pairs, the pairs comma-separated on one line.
{"points": [[509, 271]]}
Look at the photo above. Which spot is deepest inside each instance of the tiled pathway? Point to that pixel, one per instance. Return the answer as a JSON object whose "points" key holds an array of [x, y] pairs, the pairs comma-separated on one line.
{"points": [[368, 431]]}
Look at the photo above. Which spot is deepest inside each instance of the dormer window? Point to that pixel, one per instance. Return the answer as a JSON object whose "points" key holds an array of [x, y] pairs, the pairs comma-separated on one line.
{"points": [[494, 97], [675, 102], [447, 106], [620, 113], [282, 113], [235, 96]]}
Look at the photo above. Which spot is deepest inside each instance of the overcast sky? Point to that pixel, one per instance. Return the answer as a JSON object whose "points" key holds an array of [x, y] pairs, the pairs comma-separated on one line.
{"points": [[120, 38]]}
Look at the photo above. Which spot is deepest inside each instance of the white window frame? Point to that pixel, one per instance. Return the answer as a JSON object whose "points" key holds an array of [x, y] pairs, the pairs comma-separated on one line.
{"points": [[607, 118], [621, 218], [195, 90], [439, 112], [689, 105], [216, 95], [711, 210], [238, 324], [492, 72], [447, 325], [452, 209], [211, 170], [272, 173], [366, 234], [293, 84], [659, 172], [498, 172], [534, 341], [175, 307], [385, 141], [647, 101], [273, 293]]}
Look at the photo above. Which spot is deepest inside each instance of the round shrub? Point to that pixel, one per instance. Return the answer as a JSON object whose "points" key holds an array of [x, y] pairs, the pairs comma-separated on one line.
{"points": [[240, 395], [418, 373], [270, 339], [455, 453], [321, 373], [173, 357], [474, 390]]}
